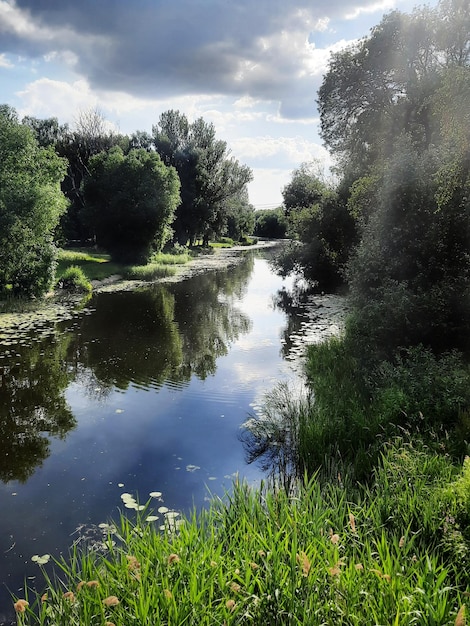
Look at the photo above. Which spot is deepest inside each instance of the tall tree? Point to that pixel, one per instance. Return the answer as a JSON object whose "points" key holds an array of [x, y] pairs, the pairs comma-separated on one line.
{"points": [[209, 175], [379, 88], [90, 136], [321, 227], [31, 204]]}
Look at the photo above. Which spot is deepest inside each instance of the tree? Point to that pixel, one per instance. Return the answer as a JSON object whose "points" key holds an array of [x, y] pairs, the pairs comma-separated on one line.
{"points": [[394, 109], [321, 226], [379, 88], [209, 176], [410, 276], [270, 223], [48, 132], [240, 216], [130, 202], [90, 136], [305, 188], [31, 204]]}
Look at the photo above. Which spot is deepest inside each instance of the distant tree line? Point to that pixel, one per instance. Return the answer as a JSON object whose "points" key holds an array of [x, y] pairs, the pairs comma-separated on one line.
{"points": [[130, 195]]}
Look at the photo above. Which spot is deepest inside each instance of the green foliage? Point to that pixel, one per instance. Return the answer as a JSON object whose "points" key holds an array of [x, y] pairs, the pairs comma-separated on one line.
{"points": [[95, 265], [213, 184], [149, 272], [353, 411], [422, 391], [270, 223], [321, 222], [31, 204], [130, 203], [305, 189], [74, 279], [410, 275]]}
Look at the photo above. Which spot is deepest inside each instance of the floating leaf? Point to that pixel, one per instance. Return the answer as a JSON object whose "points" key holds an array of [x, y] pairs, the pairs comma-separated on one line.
{"points": [[41, 560], [192, 468]]}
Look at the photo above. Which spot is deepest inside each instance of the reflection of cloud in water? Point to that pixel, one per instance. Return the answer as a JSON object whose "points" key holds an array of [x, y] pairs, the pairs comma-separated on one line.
{"points": [[250, 342]]}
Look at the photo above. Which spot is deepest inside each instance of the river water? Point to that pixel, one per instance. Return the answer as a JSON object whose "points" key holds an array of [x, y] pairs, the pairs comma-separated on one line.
{"points": [[138, 391]]}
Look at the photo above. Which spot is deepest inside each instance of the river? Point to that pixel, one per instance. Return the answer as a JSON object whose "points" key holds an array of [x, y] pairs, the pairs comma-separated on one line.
{"points": [[138, 391]]}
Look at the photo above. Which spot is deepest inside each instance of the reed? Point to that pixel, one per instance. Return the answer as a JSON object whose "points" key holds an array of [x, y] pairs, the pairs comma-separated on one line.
{"points": [[317, 553]]}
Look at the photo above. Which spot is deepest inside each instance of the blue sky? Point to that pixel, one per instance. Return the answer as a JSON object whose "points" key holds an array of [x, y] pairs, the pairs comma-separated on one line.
{"points": [[252, 67]]}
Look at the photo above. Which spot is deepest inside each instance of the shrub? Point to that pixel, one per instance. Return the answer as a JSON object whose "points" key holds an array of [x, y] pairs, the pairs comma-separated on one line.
{"points": [[73, 279]]}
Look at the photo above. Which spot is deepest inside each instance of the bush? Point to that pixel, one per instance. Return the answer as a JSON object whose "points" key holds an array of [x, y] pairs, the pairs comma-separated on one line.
{"points": [[73, 279]]}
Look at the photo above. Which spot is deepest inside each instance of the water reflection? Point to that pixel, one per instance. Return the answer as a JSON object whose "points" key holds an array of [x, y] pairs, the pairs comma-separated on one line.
{"points": [[158, 381], [130, 338], [142, 338], [272, 436], [32, 404]]}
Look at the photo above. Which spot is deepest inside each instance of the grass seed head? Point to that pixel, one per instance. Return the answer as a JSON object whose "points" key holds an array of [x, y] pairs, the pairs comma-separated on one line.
{"points": [[21, 605]]}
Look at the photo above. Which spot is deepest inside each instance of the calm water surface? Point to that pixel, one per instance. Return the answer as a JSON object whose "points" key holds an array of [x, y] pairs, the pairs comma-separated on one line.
{"points": [[139, 391]]}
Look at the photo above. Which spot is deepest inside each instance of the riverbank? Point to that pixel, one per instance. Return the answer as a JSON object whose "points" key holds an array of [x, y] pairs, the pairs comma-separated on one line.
{"points": [[205, 260]]}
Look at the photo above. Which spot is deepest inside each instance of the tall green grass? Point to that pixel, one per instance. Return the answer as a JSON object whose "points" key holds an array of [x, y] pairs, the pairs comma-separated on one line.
{"points": [[315, 554]]}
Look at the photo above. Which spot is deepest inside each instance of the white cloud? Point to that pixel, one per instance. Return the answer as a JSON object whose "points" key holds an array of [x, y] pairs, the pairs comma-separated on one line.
{"points": [[5, 62], [46, 97], [295, 149], [384, 5]]}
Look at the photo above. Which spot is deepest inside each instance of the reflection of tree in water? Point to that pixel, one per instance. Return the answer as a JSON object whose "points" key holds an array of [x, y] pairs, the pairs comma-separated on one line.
{"points": [[207, 317], [273, 437], [160, 333], [292, 302], [129, 337], [32, 404]]}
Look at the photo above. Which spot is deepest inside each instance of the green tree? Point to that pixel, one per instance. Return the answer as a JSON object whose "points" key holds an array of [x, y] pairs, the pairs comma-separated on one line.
{"points": [[209, 175], [321, 226], [90, 136], [31, 204], [270, 223], [306, 188], [379, 88], [394, 110], [130, 202], [239, 216], [410, 276]]}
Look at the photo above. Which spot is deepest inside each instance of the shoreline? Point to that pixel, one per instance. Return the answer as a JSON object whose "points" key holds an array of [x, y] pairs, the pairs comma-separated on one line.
{"points": [[218, 258]]}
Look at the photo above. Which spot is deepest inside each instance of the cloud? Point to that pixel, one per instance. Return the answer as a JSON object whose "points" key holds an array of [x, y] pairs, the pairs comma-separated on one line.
{"points": [[4, 62], [157, 49], [382, 6], [294, 149]]}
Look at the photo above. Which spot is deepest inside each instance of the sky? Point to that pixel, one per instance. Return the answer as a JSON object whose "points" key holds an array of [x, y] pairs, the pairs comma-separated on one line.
{"points": [[251, 67]]}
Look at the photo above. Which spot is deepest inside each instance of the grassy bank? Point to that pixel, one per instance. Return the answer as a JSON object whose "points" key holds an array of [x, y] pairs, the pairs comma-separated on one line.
{"points": [[390, 553], [99, 266]]}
